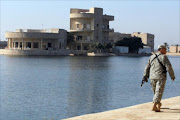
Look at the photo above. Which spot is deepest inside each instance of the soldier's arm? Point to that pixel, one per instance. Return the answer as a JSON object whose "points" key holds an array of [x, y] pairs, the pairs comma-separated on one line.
{"points": [[169, 67], [147, 70]]}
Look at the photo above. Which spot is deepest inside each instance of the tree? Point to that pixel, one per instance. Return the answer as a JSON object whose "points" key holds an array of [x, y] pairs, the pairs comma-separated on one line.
{"points": [[97, 46], [167, 46], [107, 46], [134, 43], [70, 39]]}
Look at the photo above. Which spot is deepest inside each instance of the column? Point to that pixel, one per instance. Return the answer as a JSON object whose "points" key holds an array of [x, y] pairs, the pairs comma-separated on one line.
{"points": [[8, 43], [11, 43], [32, 45], [81, 46], [41, 44], [22, 44], [19, 44]]}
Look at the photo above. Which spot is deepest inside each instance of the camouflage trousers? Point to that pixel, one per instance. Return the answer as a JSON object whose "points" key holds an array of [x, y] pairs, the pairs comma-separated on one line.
{"points": [[158, 86]]}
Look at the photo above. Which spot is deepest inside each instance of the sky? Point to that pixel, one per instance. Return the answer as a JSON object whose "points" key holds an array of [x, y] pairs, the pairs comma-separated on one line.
{"points": [[158, 17]]}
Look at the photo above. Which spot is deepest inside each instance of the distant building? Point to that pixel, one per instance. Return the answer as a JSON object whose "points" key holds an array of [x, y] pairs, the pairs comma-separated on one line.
{"points": [[116, 36], [3, 44], [120, 49], [89, 26], [174, 49], [145, 50], [147, 39], [37, 39]]}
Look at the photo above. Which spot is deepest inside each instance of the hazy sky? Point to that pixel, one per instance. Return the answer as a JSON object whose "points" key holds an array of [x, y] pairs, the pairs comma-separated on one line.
{"points": [[159, 17]]}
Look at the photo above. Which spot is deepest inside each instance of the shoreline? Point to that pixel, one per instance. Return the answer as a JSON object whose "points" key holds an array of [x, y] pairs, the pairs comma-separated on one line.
{"points": [[170, 110], [173, 54], [70, 53]]}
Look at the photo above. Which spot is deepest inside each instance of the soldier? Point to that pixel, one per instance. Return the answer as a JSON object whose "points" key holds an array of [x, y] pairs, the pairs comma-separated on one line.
{"points": [[156, 70]]}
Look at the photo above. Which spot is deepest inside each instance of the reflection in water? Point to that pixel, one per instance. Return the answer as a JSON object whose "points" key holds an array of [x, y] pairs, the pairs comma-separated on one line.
{"points": [[88, 86]]}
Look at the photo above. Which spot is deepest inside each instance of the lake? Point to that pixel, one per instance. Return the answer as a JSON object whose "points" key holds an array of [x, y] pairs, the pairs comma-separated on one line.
{"points": [[57, 87]]}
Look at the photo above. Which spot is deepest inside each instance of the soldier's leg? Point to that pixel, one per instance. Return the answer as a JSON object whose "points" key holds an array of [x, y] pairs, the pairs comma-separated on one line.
{"points": [[153, 85], [160, 85]]}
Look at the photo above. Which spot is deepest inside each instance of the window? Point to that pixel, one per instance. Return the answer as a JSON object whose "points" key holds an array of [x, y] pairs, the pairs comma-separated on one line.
{"points": [[79, 37], [77, 26], [108, 26], [78, 47], [20, 44], [49, 45], [28, 44], [36, 44], [16, 44], [97, 25], [85, 48], [97, 37], [84, 26]]}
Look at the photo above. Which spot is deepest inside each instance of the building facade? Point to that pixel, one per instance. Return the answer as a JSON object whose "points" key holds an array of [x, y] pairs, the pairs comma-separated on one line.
{"points": [[174, 49], [89, 26], [116, 36], [147, 39], [37, 39]]}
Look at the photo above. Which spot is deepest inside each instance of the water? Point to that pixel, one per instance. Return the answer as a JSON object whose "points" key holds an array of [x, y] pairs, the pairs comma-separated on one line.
{"points": [[46, 88]]}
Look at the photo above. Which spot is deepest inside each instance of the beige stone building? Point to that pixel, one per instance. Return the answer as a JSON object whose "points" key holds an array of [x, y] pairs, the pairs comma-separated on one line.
{"points": [[174, 49], [147, 39], [37, 39], [116, 36], [89, 26]]}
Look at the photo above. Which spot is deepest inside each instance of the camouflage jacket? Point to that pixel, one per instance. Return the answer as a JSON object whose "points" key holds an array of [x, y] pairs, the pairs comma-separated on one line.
{"points": [[154, 69]]}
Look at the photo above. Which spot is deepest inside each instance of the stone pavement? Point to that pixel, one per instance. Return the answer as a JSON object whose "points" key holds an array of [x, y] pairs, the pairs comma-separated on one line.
{"points": [[170, 111]]}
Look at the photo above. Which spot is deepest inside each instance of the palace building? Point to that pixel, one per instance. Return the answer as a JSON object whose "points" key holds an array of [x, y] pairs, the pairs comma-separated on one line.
{"points": [[89, 26], [37, 39]]}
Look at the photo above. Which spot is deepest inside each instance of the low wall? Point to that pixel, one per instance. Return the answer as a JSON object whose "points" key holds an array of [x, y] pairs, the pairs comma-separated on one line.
{"points": [[41, 52], [173, 54], [98, 54]]}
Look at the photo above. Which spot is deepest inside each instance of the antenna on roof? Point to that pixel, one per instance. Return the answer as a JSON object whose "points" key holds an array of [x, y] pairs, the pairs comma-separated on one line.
{"points": [[42, 26]]}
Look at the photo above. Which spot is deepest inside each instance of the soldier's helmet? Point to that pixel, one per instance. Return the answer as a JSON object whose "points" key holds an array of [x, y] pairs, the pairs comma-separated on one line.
{"points": [[161, 47]]}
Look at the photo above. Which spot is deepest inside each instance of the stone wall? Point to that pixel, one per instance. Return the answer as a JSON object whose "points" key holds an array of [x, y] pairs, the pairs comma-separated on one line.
{"points": [[42, 52]]}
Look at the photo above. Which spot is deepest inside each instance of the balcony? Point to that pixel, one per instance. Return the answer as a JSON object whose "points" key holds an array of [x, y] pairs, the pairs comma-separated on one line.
{"points": [[83, 41], [81, 15], [31, 35], [108, 29], [108, 17], [81, 30]]}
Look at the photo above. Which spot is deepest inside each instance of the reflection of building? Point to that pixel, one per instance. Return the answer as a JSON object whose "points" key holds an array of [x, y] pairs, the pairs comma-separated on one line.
{"points": [[89, 26], [174, 49], [3, 44], [33, 39], [147, 39]]}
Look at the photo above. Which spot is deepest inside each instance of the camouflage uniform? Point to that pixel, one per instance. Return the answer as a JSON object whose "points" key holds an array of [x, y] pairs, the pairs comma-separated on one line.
{"points": [[154, 71]]}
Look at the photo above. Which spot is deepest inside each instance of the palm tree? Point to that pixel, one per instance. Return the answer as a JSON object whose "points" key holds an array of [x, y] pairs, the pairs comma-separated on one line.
{"points": [[167, 46]]}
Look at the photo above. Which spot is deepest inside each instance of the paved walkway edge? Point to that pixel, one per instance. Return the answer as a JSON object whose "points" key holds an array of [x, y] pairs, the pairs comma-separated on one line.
{"points": [[170, 111]]}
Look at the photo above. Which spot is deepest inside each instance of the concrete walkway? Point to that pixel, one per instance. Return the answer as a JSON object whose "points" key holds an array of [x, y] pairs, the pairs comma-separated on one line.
{"points": [[170, 111]]}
